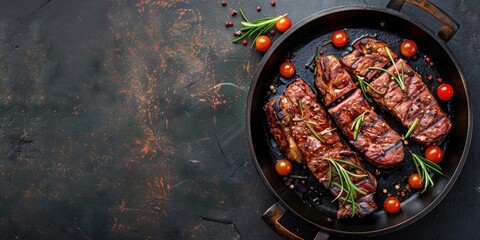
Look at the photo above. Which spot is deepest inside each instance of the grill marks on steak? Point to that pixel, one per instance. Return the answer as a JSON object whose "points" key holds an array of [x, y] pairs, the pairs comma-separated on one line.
{"points": [[415, 102], [370, 45], [279, 121], [376, 140], [313, 150], [335, 81], [358, 63]]}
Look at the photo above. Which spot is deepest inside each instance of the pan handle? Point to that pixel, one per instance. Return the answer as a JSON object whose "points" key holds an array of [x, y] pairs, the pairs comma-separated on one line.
{"points": [[450, 26], [272, 217]]}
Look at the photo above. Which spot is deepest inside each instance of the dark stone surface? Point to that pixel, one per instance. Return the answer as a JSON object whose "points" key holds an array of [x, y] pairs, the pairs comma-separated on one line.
{"points": [[125, 119]]}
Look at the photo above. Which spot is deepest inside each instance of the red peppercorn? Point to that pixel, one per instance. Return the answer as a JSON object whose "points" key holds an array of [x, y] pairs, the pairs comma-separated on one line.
{"points": [[272, 32], [430, 77], [439, 80], [230, 24], [431, 64], [259, 8], [427, 59], [273, 3], [224, 3], [395, 73], [321, 52], [244, 42], [234, 13], [227, 24], [303, 182]]}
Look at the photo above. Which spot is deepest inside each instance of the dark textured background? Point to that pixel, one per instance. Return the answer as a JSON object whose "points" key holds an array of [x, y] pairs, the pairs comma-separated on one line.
{"points": [[125, 119]]}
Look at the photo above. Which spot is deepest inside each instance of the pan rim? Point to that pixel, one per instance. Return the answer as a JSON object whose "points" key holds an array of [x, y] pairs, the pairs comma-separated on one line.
{"points": [[449, 183]]}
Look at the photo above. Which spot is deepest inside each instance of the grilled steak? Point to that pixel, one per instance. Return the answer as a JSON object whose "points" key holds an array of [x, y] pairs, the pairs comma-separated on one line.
{"points": [[370, 45], [314, 135], [358, 63], [280, 122], [335, 80], [415, 102], [376, 140]]}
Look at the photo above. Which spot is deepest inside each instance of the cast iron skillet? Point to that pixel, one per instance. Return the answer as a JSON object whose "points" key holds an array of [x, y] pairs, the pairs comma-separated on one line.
{"points": [[391, 26]]}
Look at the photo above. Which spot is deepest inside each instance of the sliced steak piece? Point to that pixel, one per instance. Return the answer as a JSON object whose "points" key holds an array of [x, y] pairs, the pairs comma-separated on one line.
{"points": [[332, 79], [312, 115], [279, 121], [370, 45], [358, 63], [412, 103], [376, 140]]}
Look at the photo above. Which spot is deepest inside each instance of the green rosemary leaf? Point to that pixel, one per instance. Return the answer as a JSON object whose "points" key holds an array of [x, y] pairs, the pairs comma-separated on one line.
{"points": [[410, 130], [300, 105], [356, 124], [313, 131]]}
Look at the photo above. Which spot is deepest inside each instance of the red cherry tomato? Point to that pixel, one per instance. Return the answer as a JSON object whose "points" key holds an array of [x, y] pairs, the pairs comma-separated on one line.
{"points": [[391, 204], [283, 167], [263, 43], [434, 154], [339, 38], [283, 24], [287, 69], [415, 181], [445, 92], [408, 48]]}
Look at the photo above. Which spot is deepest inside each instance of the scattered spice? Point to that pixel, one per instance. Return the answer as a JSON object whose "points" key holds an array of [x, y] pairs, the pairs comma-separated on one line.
{"points": [[272, 32], [234, 13], [273, 3], [322, 52], [430, 77], [272, 87], [431, 64], [292, 186], [397, 187], [427, 59], [440, 80], [259, 8], [224, 3], [384, 191], [382, 24], [237, 33], [244, 42]]}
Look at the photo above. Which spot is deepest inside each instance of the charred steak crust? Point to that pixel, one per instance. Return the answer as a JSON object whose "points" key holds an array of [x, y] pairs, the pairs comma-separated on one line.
{"points": [[376, 140], [370, 45], [415, 102], [312, 149], [359, 63], [279, 122], [332, 79]]}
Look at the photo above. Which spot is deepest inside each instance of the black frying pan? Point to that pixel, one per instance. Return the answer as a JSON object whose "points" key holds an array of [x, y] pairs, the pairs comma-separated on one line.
{"points": [[297, 44]]}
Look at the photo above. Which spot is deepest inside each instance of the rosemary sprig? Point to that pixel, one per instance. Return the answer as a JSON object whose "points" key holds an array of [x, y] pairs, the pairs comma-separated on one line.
{"points": [[356, 124], [327, 130], [313, 131], [411, 128], [326, 43], [300, 105], [256, 27], [346, 184], [400, 79], [297, 177], [363, 86], [312, 58], [424, 168]]}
